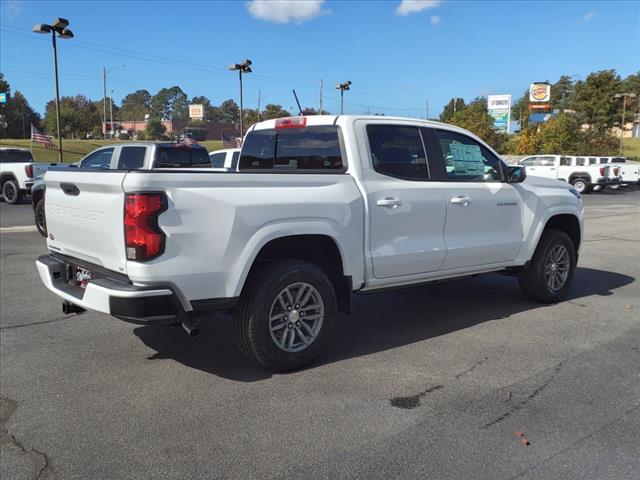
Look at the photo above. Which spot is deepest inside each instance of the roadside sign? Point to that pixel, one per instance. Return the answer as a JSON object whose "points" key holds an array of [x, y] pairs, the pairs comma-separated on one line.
{"points": [[499, 108], [540, 92], [196, 111], [4, 97], [539, 106]]}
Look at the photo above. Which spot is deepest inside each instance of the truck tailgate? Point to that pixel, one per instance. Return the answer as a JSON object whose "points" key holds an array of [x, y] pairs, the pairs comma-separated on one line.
{"points": [[84, 211]]}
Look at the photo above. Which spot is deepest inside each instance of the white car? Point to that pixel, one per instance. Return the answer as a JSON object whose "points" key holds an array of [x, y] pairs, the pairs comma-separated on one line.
{"points": [[16, 173], [226, 159], [575, 170], [321, 207]]}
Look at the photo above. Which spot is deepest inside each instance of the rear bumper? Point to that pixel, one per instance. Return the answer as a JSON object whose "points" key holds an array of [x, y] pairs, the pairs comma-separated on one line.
{"points": [[607, 181], [157, 305]]}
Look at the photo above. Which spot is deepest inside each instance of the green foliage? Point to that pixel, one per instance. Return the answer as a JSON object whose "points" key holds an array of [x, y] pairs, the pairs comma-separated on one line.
{"points": [[450, 108], [529, 142], [169, 103], [17, 113], [476, 119], [135, 106], [561, 93], [155, 129], [561, 135], [78, 116], [274, 111], [594, 100]]}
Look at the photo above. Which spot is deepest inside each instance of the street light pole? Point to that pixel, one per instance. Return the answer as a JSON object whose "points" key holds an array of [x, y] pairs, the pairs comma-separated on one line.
{"points": [[104, 99], [58, 27], [111, 114], [244, 67], [342, 87]]}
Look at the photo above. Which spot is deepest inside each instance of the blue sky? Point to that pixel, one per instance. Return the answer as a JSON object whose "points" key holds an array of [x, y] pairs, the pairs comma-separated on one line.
{"points": [[397, 55]]}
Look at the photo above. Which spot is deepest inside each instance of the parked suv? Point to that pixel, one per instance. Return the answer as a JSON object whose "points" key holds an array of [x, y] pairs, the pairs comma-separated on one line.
{"points": [[321, 207]]}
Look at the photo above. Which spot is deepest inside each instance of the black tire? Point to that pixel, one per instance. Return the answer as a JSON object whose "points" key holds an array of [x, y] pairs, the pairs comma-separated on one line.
{"points": [[615, 186], [251, 316], [582, 185], [41, 221], [533, 281], [11, 192]]}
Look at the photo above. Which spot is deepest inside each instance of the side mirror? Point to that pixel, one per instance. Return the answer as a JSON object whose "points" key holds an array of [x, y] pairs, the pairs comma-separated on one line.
{"points": [[517, 173]]}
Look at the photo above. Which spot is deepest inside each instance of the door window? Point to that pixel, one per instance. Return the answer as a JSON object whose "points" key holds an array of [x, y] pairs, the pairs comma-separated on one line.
{"points": [[217, 159], [466, 160], [398, 151], [132, 158], [99, 159]]}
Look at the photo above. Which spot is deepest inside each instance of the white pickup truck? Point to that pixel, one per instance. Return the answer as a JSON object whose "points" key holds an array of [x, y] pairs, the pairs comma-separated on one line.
{"points": [[16, 174], [575, 170], [321, 207], [629, 171]]}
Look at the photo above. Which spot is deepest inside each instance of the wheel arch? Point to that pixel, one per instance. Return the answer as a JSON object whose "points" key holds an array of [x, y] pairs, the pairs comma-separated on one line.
{"points": [[7, 176], [567, 223]]}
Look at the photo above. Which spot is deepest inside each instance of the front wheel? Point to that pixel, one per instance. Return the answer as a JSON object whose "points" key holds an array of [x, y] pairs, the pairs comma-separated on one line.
{"points": [[547, 278], [41, 222], [581, 185], [286, 314], [11, 192]]}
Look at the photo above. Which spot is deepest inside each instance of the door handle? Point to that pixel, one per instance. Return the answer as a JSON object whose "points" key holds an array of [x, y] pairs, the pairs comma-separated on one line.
{"points": [[389, 202], [70, 189], [461, 200]]}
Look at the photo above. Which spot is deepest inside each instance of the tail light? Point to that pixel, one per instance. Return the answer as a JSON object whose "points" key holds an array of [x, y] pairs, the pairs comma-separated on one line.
{"points": [[603, 171], [291, 122], [143, 237], [28, 169], [615, 171]]}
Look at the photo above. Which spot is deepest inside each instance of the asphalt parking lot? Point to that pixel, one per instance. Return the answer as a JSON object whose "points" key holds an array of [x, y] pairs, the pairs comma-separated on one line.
{"points": [[426, 382]]}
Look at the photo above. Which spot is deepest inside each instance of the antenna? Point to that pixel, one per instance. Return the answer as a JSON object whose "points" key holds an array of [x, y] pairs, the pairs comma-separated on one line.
{"points": [[296, 96]]}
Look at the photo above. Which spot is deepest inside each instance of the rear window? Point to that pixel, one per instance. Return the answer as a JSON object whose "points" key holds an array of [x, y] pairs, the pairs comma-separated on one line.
{"points": [[182, 157], [618, 160], [287, 150], [15, 156]]}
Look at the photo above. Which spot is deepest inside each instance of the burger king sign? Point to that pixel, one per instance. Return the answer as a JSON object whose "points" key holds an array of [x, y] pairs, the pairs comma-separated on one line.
{"points": [[540, 92]]}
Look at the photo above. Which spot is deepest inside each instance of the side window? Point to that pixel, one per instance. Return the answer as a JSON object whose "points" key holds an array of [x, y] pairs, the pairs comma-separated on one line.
{"points": [[100, 159], [529, 162], [217, 159], [581, 161], [132, 158], [397, 151], [597, 160], [565, 161], [466, 160], [593, 161]]}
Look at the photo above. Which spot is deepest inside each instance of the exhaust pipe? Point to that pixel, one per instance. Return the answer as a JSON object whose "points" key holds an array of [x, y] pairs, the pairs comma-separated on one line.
{"points": [[68, 308], [191, 328]]}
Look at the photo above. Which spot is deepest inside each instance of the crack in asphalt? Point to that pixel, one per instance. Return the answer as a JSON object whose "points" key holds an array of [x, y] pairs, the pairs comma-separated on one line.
{"points": [[471, 368], [7, 408], [31, 324], [522, 403]]}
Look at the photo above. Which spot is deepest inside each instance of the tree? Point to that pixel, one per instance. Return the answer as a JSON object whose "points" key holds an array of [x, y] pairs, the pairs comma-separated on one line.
{"points": [[154, 129], [450, 108], [229, 112], [631, 84], [562, 135], [170, 103], [16, 113], [135, 106], [520, 110], [529, 142], [594, 100], [312, 111], [273, 110], [210, 112], [562, 93], [78, 116]]}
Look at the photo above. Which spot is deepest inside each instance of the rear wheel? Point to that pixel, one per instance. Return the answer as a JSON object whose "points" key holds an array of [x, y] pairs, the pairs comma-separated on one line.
{"points": [[286, 314], [615, 186], [582, 185], [41, 222], [11, 192], [548, 276]]}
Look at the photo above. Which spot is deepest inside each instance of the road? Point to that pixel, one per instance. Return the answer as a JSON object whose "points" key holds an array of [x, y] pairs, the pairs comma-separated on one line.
{"points": [[425, 382]]}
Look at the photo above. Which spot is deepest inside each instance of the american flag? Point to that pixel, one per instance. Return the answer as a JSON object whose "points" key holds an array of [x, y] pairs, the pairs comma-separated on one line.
{"points": [[39, 137], [229, 140]]}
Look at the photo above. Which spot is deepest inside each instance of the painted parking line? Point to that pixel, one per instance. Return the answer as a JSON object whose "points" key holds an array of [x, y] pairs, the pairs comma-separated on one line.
{"points": [[19, 229]]}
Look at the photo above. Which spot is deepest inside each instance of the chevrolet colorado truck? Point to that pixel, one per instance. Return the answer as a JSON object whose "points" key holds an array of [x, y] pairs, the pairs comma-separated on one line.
{"points": [[320, 208], [16, 174], [575, 170]]}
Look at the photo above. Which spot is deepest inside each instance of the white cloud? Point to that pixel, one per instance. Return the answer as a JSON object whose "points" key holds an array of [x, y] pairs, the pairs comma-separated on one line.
{"points": [[435, 19], [284, 11], [587, 17], [407, 7], [13, 9]]}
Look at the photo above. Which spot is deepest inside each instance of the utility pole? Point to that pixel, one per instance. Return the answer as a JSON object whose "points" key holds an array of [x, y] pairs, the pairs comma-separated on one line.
{"points": [[111, 108], [104, 99], [624, 111], [259, 93], [427, 106], [455, 104], [320, 111]]}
